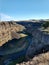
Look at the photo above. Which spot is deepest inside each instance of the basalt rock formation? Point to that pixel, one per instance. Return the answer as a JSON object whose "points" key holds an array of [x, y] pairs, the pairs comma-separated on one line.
{"points": [[38, 46], [35, 46]]}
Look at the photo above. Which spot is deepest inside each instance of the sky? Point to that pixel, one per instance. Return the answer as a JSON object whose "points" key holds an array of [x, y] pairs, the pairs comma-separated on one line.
{"points": [[24, 9]]}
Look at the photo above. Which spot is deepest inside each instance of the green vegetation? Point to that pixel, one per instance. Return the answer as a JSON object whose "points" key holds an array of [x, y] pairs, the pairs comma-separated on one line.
{"points": [[46, 24], [45, 27]]}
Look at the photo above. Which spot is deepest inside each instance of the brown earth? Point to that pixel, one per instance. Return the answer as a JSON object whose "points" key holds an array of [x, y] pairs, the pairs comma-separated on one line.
{"points": [[8, 31]]}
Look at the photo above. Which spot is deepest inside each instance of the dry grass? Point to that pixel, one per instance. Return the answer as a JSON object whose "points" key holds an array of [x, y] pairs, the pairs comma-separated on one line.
{"points": [[23, 35]]}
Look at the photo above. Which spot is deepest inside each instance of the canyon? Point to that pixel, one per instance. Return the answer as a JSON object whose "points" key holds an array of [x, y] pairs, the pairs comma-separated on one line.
{"points": [[29, 37]]}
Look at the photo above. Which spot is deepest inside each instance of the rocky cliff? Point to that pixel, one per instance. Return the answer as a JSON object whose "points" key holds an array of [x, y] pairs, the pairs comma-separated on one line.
{"points": [[40, 41], [39, 46], [37, 42]]}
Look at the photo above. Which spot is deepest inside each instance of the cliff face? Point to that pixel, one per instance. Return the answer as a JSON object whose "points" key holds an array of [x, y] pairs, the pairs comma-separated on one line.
{"points": [[37, 41], [8, 31], [40, 38], [40, 42]]}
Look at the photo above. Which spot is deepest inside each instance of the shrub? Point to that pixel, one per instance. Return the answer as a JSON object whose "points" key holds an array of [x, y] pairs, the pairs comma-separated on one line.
{"points": [[46, 24]]}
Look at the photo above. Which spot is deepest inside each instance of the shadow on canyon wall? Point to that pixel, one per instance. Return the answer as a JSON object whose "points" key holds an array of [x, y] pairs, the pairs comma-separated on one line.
{"points": [[12, 43], [35, 25]]}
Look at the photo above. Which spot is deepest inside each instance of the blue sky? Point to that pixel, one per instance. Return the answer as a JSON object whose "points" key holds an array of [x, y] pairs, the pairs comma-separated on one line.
{"points": [[24, 9]]}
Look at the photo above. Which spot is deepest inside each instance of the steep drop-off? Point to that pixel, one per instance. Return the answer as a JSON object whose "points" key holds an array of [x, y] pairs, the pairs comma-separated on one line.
{"points": [[33, 45]]}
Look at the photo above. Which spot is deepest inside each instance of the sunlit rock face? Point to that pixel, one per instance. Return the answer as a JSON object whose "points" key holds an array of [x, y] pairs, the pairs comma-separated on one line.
{"points": [[8, 31]]}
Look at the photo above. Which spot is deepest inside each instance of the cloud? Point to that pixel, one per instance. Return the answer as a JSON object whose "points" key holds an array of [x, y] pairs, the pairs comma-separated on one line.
{"points": [[4, 17]]}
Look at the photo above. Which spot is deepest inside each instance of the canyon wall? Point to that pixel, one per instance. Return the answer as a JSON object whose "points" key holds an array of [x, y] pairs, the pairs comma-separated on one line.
{"points": [[39, 43]]}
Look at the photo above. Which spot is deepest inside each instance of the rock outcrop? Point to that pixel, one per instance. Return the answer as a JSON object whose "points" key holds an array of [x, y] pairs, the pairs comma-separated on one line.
{"points": [[40, 41]]}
